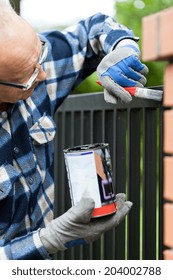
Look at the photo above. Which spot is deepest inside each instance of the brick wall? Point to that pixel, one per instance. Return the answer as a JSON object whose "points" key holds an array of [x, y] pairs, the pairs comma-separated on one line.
{"points": [[157, 45]]}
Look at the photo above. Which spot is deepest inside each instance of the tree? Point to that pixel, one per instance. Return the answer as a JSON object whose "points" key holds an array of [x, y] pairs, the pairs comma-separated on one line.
{"points": [[16, 5]]}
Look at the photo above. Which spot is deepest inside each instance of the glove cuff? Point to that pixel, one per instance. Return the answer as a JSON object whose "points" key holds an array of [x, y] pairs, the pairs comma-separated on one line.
{"points": [[50, 240], [128, 43]]}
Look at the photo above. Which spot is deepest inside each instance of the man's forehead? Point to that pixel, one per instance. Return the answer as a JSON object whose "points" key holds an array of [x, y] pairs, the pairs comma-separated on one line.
{"points": [[15, 28], [19, 54]]}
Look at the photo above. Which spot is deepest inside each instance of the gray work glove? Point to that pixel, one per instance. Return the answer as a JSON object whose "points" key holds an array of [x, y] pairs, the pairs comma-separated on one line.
{"points": [[75, 227], [121, 69]]}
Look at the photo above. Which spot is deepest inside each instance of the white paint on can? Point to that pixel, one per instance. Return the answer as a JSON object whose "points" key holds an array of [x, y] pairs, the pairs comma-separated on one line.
{"points": [[89, 173]]}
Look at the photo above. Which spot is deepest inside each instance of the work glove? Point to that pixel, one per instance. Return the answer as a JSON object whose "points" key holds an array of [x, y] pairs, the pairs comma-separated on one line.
{"points": [[75, 227], [121, 74]]}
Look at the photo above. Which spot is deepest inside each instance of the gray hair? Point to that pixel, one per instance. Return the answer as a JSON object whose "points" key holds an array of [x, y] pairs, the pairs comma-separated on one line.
{"points": [[6, 4], [7, 16]]}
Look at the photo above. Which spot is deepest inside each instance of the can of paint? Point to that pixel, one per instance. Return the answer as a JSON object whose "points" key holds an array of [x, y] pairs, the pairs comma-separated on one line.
{"points": [[89, 172]]}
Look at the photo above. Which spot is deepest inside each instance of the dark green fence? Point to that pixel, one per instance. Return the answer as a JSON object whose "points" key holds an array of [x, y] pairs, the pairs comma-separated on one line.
{"points": [[134, 133]]}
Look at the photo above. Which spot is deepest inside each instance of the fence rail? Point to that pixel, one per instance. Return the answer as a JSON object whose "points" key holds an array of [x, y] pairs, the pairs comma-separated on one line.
{"points": [[134, 133]]}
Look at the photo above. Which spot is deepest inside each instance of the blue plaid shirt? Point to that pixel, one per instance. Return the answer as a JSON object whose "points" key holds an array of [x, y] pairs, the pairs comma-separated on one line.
{"points": [[27, 131]]}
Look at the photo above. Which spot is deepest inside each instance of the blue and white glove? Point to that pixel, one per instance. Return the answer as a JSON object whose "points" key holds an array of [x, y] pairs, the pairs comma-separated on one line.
{"points": [[75, 227], [121, 68]]}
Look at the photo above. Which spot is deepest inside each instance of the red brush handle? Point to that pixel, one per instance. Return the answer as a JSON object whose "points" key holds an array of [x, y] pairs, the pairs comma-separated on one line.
{"points": [[131, 90]]}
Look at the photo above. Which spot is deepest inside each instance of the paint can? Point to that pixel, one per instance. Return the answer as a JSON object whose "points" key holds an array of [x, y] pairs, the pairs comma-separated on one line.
{"points": [[89, 172]]}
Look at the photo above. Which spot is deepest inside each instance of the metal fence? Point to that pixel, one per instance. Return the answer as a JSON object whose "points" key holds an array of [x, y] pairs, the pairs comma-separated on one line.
{"points": [[134, 133]]}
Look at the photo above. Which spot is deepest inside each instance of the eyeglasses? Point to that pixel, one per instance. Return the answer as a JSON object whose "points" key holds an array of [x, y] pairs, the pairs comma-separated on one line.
{"points": [[33, 78]]}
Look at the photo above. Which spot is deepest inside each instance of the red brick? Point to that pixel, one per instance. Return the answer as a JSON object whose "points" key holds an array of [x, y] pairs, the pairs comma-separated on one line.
{"points": [[168, 131], [168, 85], [149, 37], [168, 255], [165, 33], [168, 178], [168, 224], [157, 39]]}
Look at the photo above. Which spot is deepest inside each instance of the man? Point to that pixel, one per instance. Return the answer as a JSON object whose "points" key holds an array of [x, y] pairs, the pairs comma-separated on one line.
{"points": [[37, 73]]}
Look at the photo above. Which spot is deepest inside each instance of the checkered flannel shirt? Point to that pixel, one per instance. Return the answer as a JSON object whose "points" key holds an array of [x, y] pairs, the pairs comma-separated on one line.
{"points": [[27, 131]]}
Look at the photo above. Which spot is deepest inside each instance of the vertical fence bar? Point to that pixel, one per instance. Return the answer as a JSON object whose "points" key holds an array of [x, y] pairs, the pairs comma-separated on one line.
{"points": [[109, 247], [98, 119], [87, 251], [120, 177], [149, 194], [134, 183], [87, 127], [77, 129]]}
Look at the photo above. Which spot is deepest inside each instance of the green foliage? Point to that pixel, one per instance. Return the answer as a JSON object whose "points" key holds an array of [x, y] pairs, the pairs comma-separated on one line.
{"points": [[89, 85], [16, 5], [130, 14]]}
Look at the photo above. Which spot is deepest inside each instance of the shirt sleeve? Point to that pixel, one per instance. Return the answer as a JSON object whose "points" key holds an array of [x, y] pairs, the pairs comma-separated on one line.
{"points": [[75, 53], [98, 34], [27, 247]]}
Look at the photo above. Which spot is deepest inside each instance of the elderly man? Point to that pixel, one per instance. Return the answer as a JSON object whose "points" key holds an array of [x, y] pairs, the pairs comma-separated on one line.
{"points": [[37, 73]]}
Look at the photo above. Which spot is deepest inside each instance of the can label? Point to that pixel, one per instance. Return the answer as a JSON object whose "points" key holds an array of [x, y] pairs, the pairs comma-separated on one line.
{"points": [[89, 172]]}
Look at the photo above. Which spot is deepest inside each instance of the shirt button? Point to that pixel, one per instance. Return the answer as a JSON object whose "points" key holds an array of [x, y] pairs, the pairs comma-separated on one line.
{"points": [[30, 180], [16, 150], [4, 114]]}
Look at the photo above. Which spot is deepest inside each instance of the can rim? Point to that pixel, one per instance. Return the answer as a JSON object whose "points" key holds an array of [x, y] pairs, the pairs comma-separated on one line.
{"points": [[86, 147]]}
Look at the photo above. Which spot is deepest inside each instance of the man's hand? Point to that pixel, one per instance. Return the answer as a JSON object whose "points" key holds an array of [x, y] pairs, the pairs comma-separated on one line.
{"points": [[75, 227], [121, 68]]}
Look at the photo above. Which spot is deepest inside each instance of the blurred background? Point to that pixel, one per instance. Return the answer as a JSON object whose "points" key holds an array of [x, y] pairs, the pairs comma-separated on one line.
{"points": [[51, 14]]}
